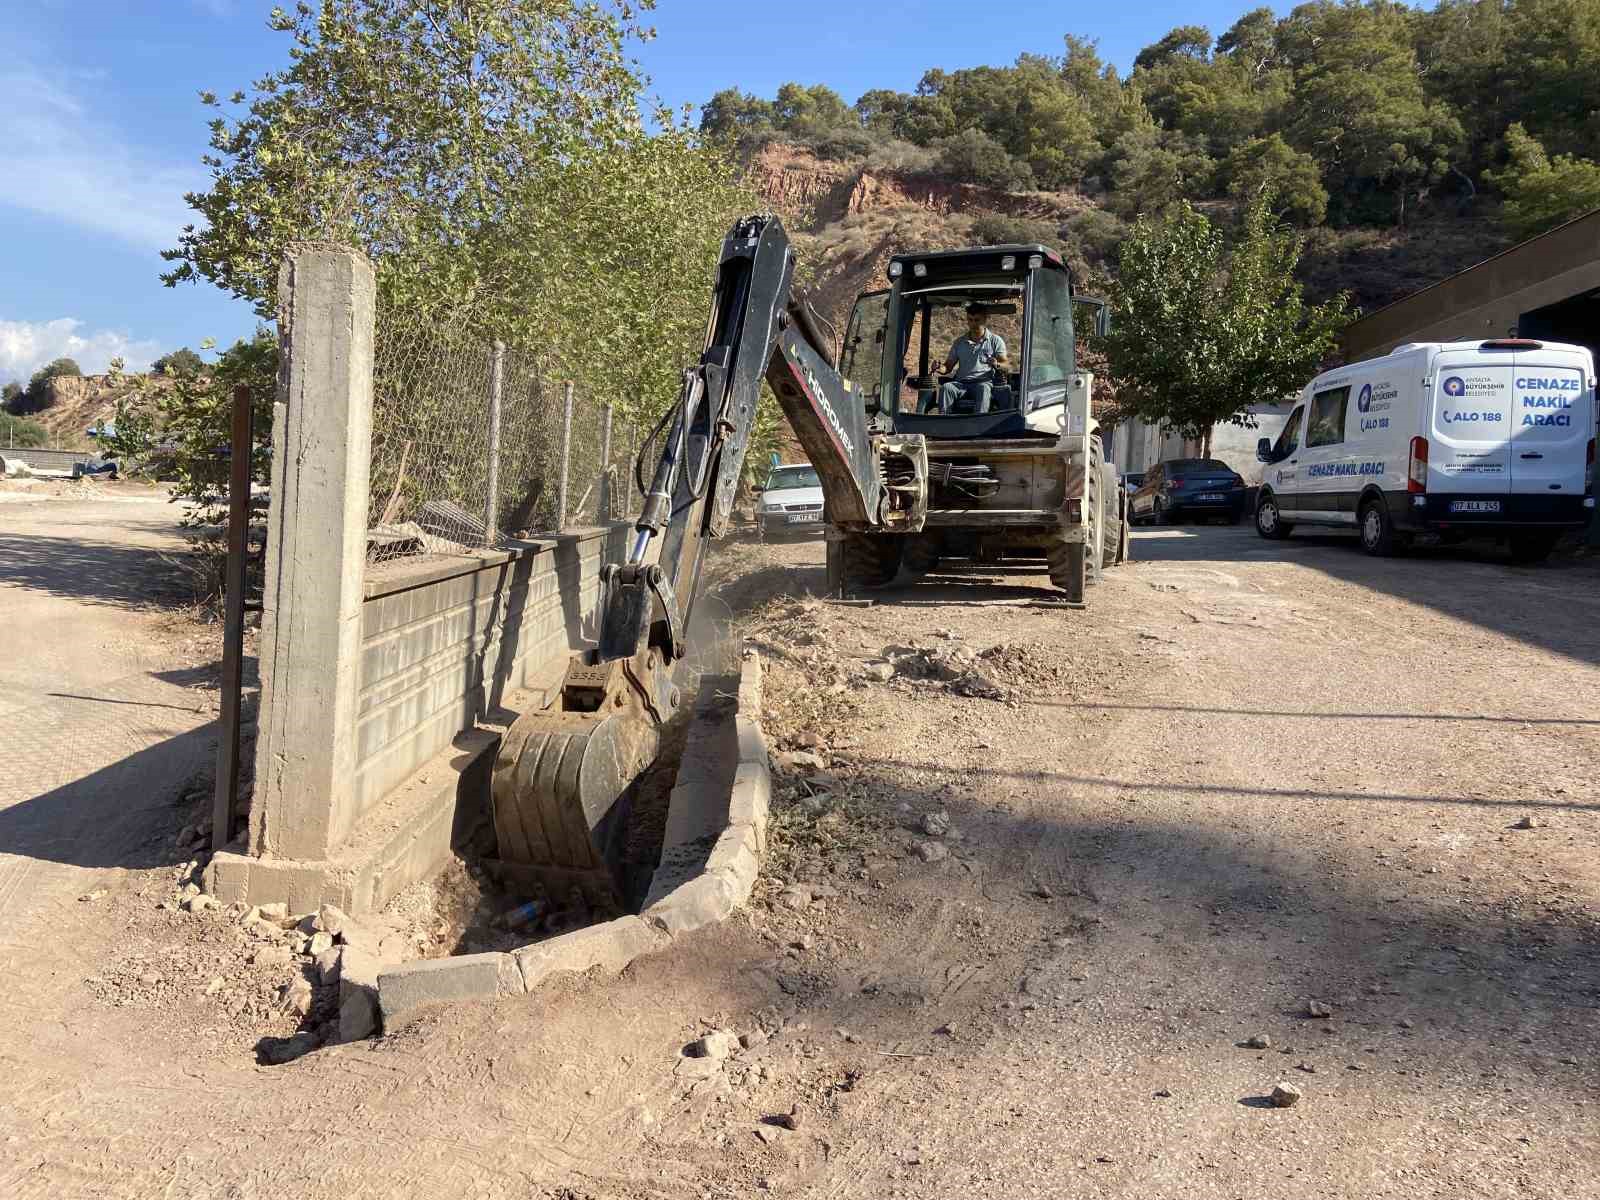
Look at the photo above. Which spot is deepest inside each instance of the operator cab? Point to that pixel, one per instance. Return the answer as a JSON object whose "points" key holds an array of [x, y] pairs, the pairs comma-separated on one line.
{"points": [[898, 340]]}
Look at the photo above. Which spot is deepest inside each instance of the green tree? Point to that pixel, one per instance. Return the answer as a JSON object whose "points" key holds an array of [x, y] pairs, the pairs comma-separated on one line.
{"points": [[22, 433], [180, 429], [972, 156], [491, 156], [1360, 106], [1542, 192], [1271, 169], [1153, 167], [11, 395], [181, 361], [1205, 327]]}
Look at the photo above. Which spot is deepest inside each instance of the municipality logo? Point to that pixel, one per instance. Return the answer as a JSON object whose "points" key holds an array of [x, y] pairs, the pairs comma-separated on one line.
{"points": [[1364, 401], [1455, 386]]}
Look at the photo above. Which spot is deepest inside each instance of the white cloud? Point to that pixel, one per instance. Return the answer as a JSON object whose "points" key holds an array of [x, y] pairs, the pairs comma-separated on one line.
{"points": [[58, 158], [25, 346]]}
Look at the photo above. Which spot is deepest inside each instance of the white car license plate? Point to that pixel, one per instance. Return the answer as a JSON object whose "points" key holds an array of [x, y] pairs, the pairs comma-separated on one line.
{"points": [[803, 518], [1210, 496], [1475, 506]]}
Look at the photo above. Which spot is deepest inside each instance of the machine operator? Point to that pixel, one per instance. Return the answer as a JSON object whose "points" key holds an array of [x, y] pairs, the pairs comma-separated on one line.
{"points": [[974, 358]]}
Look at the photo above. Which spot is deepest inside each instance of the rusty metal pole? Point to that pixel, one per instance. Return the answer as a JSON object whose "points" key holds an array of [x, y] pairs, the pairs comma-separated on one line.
{"points": [[492, 502], [566, 460], [225, 800]]}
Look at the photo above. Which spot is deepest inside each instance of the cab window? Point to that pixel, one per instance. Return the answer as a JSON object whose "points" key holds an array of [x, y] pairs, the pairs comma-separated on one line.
{"points": [[861, 360], [1050, 329], [1289, 440], [1326, 426]]}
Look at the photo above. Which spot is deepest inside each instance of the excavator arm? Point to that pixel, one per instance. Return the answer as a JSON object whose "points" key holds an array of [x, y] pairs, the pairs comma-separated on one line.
{"points": [[565, 775]]}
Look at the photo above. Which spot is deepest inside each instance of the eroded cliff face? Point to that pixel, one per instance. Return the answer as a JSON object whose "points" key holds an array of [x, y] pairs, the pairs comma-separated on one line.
{"points": [[811, 193]]}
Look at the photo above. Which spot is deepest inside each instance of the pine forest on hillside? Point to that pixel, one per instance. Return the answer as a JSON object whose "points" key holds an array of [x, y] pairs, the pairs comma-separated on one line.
{"points": [[1404, 143]]}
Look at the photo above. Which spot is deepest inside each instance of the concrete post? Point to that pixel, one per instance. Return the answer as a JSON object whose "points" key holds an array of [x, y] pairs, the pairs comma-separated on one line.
{"points": [[566, 460], [316, 552], [492, 503]]}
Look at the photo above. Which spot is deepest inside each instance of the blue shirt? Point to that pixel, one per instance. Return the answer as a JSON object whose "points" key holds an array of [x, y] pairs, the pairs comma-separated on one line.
{"points": [[975, 358]]}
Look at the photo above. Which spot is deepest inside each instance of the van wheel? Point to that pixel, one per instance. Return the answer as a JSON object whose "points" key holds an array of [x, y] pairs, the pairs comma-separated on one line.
{"points": [[1529, 548], [1377, 533], [1269, 521]]}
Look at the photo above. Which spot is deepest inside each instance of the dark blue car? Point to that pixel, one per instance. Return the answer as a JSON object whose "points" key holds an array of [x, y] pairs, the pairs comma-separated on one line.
{"points": [[1198, 488]]}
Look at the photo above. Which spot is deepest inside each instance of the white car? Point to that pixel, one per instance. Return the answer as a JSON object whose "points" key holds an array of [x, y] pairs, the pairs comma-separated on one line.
{"points": [[790, 501]]}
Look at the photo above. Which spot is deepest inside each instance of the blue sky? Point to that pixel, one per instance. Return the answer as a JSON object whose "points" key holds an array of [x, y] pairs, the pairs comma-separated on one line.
{"points": [[101, 130]]}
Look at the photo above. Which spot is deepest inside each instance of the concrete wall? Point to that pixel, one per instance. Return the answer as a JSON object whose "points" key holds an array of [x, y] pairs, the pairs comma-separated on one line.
{"points": [[444, 643], [384, 688], [48, 460]]}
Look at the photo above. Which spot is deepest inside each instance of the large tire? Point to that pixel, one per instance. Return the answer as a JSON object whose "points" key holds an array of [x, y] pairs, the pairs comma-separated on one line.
{"points": [[868, 560], [1111, 517], [1074, 565], [921, 554], [1378, 537], [1269, 519]]}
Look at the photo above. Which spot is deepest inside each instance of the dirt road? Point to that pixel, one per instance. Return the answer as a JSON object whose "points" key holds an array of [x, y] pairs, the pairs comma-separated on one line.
{"points": [[1250, 776]]}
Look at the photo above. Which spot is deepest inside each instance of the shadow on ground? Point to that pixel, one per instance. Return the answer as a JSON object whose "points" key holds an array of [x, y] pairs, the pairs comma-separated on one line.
{"points": [[1466, 582], [97, 571], [123, 815]]}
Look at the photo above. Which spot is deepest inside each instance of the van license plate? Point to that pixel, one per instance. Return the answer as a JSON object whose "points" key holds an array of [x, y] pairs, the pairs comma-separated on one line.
{"points": [[1210, 496], [1478, 506], [804, 518]]}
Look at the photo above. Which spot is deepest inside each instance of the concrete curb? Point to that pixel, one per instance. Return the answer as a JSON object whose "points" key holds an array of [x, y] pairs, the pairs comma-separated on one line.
{"points": [[689, 890]]}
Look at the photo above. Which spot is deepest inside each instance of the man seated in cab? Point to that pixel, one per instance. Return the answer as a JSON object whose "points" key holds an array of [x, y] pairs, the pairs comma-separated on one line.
{"points": [[974, 358]]}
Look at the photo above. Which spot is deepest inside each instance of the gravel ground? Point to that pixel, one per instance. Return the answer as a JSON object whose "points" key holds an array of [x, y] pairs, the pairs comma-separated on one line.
{"points": [[1052, 909]]}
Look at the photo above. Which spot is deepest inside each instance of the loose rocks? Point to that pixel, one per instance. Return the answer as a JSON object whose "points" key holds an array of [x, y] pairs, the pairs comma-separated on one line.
{"points": [[880, 671], [719, 1043], [932, 851], [936, 824], [1285, 1095], [1316, 1008], [1259, 1041], [1528, 822]]}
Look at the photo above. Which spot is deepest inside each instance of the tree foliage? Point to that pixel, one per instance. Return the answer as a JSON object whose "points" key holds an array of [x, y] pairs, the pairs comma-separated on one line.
{"points": [[1348, 111], [22, 433], [1542, 192], [492, 157], [182, 361], [181, 425], [1206, 324]]}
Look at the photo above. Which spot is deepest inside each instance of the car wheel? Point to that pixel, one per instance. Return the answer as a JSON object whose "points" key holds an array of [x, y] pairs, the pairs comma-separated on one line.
{"points": [[1158, 512], [1377, 534], [1269, 521]]}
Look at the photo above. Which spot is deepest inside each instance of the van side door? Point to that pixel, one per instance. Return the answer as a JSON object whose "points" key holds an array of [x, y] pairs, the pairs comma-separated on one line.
{"points": [[1323, 480], [1281, 473]]}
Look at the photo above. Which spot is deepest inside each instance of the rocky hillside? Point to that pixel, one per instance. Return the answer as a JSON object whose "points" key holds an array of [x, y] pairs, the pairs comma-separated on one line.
{"points": [[848, 219], [74, 403]]}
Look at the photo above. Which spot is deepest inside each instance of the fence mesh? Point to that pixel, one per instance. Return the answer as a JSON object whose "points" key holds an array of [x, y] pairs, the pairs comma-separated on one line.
{"points": [[467, 445]]}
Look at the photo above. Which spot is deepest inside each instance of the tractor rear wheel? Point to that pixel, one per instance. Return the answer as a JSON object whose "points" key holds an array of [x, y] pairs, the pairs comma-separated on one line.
{"points": [[1075, 564], [921, 554], [867, 560]]}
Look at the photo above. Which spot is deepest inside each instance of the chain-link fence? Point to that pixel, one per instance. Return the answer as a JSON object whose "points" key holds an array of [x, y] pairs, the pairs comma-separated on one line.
{"points": [[475, 444]]}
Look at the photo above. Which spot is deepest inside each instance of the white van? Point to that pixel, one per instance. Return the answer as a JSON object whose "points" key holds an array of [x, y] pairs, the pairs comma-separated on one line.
{"points": [[1440, 440]]}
